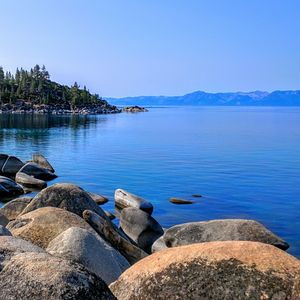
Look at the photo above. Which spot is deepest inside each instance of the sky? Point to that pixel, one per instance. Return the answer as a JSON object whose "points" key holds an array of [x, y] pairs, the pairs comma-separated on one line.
{"points": [[158, 47]]}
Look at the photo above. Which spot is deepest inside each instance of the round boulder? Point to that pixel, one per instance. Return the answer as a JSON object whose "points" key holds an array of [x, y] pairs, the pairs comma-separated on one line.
{"points": [[221, 230], [8, 188], [11, 166], [213, 271], [125, 199], [42, 161], [89, 249], [14, 207], [140, 227], [42, 225], [38, 276], [36, 171], [67, 196]]}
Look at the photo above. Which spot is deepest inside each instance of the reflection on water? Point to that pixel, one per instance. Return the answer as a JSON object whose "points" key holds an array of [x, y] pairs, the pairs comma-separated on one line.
{"points": [[38, 127]]}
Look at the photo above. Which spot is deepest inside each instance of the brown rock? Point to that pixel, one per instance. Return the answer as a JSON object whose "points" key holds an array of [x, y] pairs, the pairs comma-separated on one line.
{"points": [[215, 270], [13, 208], [42, 225]]}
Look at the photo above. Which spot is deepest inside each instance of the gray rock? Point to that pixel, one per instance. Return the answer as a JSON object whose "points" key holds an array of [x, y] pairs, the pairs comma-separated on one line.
{"points": [[130, 251], [42, 161], [231, 270], [8, 188], [221, 230], [30, 181], [99, 199], [134, 109], [67, 196], [90, 250], [4, 231], [3, 220], [159, 245], [140, 227], [10, 246], [33, 169], [125, 199], [38, 276], [12, 166], [42, 225], [13, 208]]}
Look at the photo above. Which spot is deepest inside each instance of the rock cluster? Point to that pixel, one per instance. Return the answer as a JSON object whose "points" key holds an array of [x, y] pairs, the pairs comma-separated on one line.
{"points": [[28, 108], [16, 176], [134, 109], [61, 244]]}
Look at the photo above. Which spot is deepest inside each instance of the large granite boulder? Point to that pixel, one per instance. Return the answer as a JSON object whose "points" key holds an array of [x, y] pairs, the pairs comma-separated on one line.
{"points": [[221, 230], [29, 181], [125, 199], [10, 246], [36, 171], [42, 225], [42, 161], [215, 271], [8, 188], [11, 166], [140, 227], [13, 208], [67, 196], [38, 276], [89, 249]]}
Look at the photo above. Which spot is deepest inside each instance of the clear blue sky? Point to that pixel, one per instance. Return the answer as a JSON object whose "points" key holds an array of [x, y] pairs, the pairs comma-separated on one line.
{"points": [[157, 47]]}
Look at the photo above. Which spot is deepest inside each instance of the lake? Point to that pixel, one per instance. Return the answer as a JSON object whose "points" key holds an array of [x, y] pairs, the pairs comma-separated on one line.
{"points": [[244, 160]]}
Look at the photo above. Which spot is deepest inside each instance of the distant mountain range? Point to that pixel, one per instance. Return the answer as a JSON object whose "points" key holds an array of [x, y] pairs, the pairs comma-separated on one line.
{"points": [[256, 98]]}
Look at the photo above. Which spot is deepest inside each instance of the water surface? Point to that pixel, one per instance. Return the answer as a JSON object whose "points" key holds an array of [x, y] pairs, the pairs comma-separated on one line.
{"points": [[244, 161]]}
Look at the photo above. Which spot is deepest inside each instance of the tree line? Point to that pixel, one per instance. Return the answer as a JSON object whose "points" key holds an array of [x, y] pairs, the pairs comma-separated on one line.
{"points": [[35, 87]]}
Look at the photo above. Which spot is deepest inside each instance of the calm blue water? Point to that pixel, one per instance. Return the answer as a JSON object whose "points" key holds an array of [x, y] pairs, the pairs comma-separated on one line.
{"points": [[245, 161]]}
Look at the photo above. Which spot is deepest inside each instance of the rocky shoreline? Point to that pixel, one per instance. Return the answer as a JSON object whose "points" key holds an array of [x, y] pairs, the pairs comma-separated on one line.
{"points": [[28, 108], [62, 244]]}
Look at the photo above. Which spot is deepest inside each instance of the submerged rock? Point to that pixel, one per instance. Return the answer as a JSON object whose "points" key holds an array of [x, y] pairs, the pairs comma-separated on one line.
{"points": [[125, 199], [30, 181], [99, 199], [8, 188], [11, 166], [180, 201], [140, 227], [12, 209], [89, 249], [36, 171], [42, 225], [221, 230], [67, 196], [42, 161], [38, 276], [215, 270]]}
